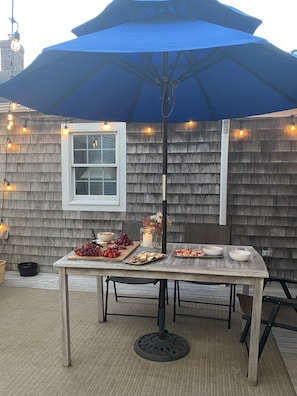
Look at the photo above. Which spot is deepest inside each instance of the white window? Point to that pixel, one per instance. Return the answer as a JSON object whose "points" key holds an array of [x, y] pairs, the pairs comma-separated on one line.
{"points": [[94, 167]]}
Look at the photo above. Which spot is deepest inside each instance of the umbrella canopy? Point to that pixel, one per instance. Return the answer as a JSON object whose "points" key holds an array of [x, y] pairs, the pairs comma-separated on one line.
{"points": [[120, 74], [123, 11]]}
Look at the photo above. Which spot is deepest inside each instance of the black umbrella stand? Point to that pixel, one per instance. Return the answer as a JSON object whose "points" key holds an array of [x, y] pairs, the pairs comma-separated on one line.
{"points": [[162, 346]]}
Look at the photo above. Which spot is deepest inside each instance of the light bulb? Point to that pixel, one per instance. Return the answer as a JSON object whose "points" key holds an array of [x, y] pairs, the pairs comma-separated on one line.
{"points": [[15, 43], [106, 126], [7, 185], [8, 143], [65, 130]]}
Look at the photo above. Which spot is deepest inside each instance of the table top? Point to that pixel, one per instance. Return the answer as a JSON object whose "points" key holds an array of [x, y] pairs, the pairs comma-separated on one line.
{"points": [[170, 265]]}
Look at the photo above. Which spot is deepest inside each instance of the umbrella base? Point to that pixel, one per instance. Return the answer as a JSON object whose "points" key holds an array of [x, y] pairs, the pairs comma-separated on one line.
{"points": [[158, 348]]}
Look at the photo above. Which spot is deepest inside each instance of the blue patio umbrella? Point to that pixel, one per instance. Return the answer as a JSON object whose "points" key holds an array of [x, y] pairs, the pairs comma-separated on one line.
{"points": [[169, 65], [123, 11]]}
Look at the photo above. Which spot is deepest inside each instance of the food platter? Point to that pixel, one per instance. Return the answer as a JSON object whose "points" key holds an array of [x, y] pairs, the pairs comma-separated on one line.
{"points": [[193, 253], [188, 253], [124, 253], [144, 258]]}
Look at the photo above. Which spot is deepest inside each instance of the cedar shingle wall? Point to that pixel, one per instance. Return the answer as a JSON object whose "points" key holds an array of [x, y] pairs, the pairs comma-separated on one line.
{"points": [[262, 192], [262, 187]]}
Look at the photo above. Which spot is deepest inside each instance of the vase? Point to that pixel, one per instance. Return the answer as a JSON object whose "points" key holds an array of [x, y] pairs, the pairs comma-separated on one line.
{"points": [[158, 240]]}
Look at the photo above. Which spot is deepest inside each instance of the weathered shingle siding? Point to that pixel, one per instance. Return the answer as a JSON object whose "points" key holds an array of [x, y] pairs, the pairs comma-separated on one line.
{"points": [[262, 192], [262, 187]]}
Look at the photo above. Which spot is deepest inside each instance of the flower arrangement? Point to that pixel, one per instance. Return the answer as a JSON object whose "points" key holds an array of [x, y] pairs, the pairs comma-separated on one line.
{"points": [[155, 221]]}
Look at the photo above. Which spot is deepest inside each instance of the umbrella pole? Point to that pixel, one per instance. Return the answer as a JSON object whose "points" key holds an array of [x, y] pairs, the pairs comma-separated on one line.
{"points": [[162, 346], [162, 330]]}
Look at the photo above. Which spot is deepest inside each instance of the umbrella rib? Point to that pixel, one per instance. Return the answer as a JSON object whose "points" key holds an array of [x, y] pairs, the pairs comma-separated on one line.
{"points": [[261, 78], [132, 69], [195, 68]]}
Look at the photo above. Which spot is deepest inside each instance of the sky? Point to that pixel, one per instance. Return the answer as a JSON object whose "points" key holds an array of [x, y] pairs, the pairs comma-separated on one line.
{"points": [[48, 22]]}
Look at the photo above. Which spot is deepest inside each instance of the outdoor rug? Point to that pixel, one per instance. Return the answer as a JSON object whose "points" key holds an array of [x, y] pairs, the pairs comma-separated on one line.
{"points": [[103, 358]]}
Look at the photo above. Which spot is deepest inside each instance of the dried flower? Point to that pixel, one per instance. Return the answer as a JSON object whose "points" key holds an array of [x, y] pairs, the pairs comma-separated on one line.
{"points": [[155, 221]]}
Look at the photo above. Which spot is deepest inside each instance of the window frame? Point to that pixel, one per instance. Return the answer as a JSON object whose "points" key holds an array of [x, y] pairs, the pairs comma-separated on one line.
{"points": [[111, 203]]}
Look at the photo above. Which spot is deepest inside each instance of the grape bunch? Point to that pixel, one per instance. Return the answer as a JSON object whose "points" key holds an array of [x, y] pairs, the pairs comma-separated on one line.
{"points": [[88, 249], [111, 252], [123, 240]]}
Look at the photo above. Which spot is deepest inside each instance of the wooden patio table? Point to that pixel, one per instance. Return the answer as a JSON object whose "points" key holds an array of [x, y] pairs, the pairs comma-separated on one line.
{"points": [[222, 270]]}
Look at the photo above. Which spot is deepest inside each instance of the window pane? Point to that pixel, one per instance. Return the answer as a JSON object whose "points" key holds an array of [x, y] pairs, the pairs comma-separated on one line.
{"points": [[94, 141], [96, 173], [80, 157], [110, 173], [81, 174], [108, 141], [81, 188], [79, 142], [95, 157], [110, 188], [96, 188], [96, 181], [108, 156]]}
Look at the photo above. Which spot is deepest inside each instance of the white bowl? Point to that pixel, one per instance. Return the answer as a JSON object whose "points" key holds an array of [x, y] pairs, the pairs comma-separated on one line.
{"points": [[105, 236], [239, 255], [212, 250]]}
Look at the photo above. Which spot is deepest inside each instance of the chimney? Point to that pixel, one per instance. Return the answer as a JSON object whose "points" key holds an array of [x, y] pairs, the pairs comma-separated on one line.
{"points": [[10, 60]]}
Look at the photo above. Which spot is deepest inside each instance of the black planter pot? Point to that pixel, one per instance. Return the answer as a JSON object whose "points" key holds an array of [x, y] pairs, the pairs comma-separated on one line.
{"points": [[28, 269]]}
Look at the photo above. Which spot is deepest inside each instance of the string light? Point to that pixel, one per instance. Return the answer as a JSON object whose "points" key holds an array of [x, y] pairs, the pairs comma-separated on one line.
{"points": [[293, 126], [106, 125], [15, 43], [9, 125], [9, 116], [8, 143], [25, 128], [65, 129], [241, 129], [7, 185]]}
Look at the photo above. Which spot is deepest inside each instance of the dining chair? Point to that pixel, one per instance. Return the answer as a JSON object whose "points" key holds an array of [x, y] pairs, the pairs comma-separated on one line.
{"points": [[276, 311], [132, 229], [204, 234]]}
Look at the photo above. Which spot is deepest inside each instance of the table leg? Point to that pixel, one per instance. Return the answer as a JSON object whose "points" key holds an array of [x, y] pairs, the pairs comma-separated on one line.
{"points": [[100, 299], [255, 333], [65, 326]]}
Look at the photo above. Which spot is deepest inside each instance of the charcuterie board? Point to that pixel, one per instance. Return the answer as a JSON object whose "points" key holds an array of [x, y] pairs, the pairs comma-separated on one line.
{"points": [[124, 253]]}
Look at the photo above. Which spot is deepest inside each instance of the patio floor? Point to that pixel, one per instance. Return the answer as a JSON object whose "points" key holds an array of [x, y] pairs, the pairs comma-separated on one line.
{"points": [[286, 340]]}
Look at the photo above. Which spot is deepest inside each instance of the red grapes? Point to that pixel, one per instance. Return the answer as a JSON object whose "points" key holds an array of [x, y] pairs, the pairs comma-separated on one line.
{"points": [[89, 249], [112, 251], [123, 240]]}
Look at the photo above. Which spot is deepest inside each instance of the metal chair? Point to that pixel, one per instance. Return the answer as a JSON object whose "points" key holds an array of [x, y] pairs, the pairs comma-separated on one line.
{"points": [[205, 233], [276, 312], [133, 230]]}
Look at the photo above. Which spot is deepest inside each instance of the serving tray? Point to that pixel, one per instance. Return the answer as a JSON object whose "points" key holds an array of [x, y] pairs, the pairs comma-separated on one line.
{"points": [[124, 253], [130, 260]]}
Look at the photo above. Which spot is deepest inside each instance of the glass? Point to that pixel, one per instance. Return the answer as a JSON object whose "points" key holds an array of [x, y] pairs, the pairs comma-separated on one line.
{"points": [[147, 237]]}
